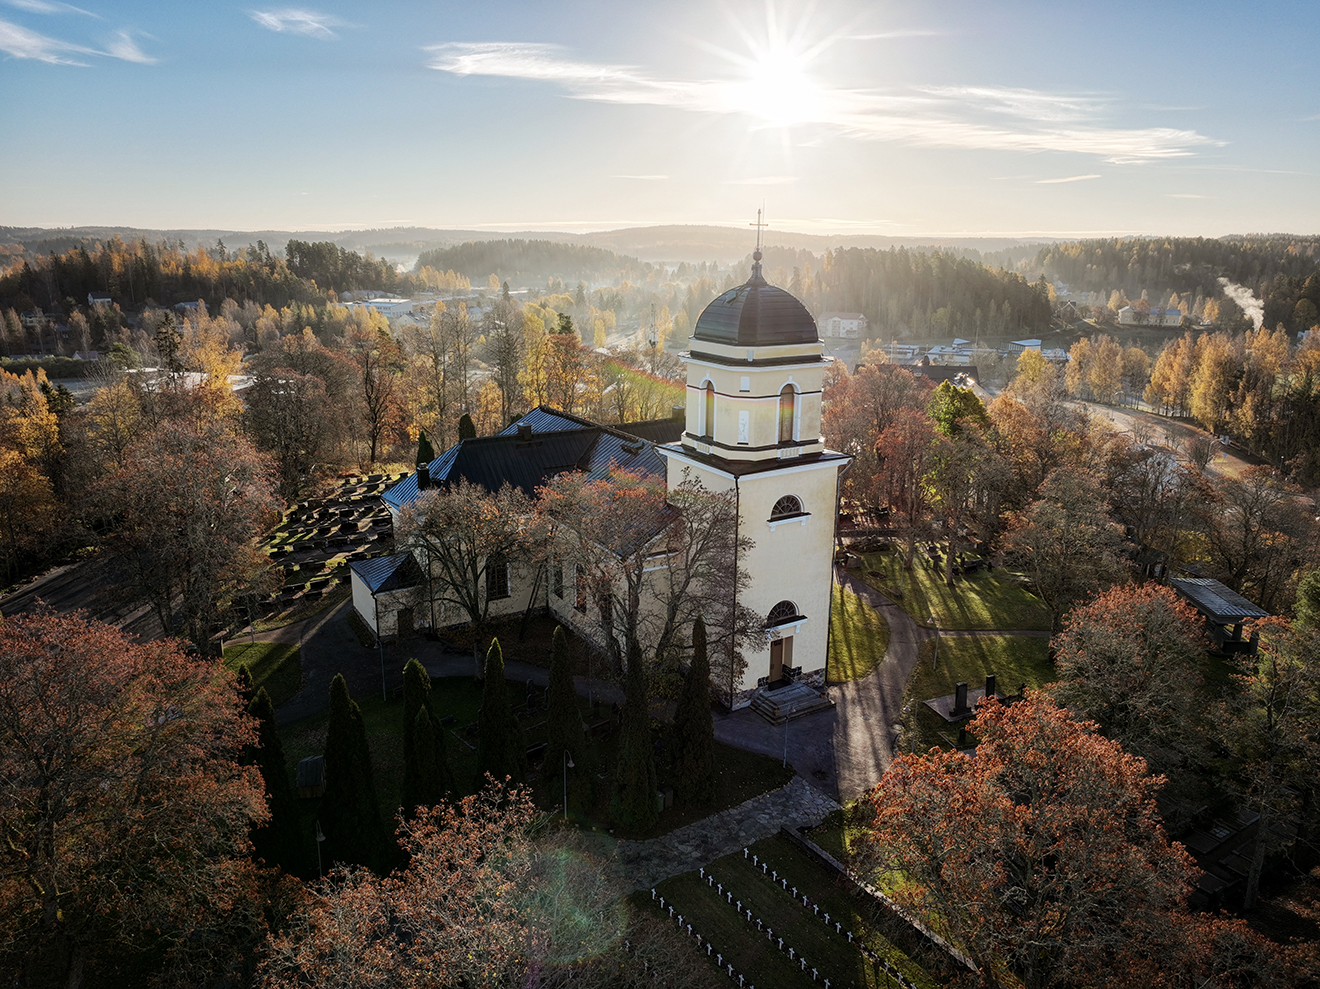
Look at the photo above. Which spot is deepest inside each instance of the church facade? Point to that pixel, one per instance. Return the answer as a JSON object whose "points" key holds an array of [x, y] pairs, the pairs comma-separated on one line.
{"points": [[755, 372]]}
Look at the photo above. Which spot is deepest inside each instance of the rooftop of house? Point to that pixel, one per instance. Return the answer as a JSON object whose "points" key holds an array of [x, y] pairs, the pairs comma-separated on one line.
{"points": [[1215, 600], [539, 445], [388, 573]]}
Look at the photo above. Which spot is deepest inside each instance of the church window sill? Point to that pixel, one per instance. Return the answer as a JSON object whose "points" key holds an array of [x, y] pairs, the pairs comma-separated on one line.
{"points": [[800, 519]]}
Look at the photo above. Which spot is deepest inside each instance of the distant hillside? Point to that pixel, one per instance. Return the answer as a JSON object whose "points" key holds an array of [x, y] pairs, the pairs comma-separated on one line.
{"points": [[525, 262]]}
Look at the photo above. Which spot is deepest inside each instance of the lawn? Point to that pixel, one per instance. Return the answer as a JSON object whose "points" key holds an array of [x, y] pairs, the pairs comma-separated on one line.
{"points": [[806, 931], [859, 636], [277, 666], [992, 599], [1015, 659]]}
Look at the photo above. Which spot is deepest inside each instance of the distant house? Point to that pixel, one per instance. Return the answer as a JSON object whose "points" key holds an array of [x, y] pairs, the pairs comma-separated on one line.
{"points": [[1127, 316], [390, 308], [187, 308], [1016, 347], [95, 299], [32, 319], [842, 325]]}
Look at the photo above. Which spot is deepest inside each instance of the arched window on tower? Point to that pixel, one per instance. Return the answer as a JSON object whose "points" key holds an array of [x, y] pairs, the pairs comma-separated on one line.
{"points": [[708, 420], [787, 408], [786, 507], [781, 613]]}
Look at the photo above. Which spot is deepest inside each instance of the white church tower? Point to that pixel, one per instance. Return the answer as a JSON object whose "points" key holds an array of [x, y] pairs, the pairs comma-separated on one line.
{"points": [[755, 373]]}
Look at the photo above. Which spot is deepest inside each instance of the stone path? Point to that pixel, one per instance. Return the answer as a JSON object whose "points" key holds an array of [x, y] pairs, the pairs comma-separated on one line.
{"points": [[645, 863]]}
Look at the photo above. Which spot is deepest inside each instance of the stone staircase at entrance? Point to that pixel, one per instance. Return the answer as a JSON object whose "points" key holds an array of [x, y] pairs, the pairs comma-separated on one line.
{"points": [[787, 703]]}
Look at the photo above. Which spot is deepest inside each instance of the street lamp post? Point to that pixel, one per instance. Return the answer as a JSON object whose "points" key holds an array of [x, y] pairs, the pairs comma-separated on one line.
{"points": [[936, 629], [319, 838], [568, 764]]}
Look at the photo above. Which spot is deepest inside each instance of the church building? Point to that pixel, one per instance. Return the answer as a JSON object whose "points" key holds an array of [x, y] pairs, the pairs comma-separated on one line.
{"points": [[752, 426]]}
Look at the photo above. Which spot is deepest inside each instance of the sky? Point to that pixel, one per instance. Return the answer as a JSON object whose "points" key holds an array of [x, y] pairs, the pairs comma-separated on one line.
{"points": [[904, 118]]}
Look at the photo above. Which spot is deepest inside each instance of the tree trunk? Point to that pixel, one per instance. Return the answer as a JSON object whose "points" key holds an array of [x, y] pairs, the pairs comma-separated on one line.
{"points": [[1257, 865]]}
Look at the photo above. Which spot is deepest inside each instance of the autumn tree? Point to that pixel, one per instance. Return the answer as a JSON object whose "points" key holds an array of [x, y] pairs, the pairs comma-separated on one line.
{"points": [[1129, 660], [654, 558], [501, 747], [1042, 858], [28, 513], [1271, 727], [124, 806], [185, 513], [287, 416], [692, 736], [633, 803], [379, 360], [903, 458], [462, 532], [350, 812], [1065, 541]]}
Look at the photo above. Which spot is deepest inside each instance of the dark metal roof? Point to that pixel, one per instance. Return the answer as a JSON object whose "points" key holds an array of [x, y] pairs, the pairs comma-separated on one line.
{"points": [[559, 442], [388, 573], [655, 430], [1216, 601], [754, 314]]}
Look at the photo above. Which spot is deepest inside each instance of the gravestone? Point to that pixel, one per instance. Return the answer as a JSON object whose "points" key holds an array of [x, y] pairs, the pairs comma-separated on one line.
{"points": [[960, 698], [990, 686]]}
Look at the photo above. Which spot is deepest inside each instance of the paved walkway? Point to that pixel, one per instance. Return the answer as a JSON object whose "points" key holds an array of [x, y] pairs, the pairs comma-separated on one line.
{"points": [[644, 863]]}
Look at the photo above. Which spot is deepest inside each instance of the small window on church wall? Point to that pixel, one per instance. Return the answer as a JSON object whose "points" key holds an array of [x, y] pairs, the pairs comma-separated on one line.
{"points": [[786, 507], [781, 613], [787, 406], [708, 422]]}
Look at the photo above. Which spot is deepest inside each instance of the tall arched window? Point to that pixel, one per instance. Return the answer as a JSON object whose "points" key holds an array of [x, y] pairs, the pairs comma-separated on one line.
{"points": [[708, 425], [787, 406]]}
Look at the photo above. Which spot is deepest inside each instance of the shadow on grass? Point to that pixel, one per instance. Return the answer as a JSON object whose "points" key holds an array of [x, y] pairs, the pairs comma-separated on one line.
{"points": [[277, 666], [859, 636]]}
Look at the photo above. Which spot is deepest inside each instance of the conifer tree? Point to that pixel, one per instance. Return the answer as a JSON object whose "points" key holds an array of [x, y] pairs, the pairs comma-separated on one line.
{"points": [[425, 452], [467, 429], [277, 840], [350, 813], [634, 801], [426, 774], [244, 684], [564, 722], [501, 750], [693, 743]]}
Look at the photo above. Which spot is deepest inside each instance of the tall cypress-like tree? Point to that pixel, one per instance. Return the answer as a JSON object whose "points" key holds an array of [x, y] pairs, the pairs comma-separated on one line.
{"points": [[467, 429], [693, 743], [564, 725], [426, 774], [276, 841], [350, 813], [425, 452], [244, 684], [634, 801], [501, 750]]}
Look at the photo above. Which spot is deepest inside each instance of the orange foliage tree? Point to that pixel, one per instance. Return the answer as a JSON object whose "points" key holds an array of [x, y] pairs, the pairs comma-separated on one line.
{"points": [[124, 808], [1044, 860]]}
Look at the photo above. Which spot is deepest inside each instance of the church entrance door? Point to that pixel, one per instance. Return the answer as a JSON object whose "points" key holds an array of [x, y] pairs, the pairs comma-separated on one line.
{"points": [[781, 655]]}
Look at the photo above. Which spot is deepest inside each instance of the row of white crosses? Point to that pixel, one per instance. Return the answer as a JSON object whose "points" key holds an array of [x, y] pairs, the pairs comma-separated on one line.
{"points": [[762, 927], [873, 957], [720, 963]]}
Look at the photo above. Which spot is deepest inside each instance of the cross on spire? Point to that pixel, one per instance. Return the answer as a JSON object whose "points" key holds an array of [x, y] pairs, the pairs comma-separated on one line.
{"points": [[759, 225]]}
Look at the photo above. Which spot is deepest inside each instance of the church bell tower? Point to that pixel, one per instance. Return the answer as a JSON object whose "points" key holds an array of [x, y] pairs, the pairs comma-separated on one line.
{"points": [[754, 379]]}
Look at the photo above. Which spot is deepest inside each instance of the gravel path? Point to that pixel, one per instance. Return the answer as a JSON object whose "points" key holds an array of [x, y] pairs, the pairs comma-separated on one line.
{"points": [[644, 863]]}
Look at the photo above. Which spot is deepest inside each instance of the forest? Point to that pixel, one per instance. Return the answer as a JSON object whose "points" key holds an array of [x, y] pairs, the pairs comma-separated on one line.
{"points": [[523, 262]]}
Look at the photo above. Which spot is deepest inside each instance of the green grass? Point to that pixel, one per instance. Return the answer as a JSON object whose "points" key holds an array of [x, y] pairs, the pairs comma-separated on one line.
{"points": [[749, 951], [859, 636], [277, 666], [984, 600], [1014, 659]]}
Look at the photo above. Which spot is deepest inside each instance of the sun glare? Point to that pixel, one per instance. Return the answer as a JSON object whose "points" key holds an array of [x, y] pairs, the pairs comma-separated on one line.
{"points": [[779, 90]]}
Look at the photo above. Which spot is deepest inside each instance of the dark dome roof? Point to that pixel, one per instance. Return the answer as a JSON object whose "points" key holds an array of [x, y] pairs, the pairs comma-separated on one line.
{"points": [[756, 314]]}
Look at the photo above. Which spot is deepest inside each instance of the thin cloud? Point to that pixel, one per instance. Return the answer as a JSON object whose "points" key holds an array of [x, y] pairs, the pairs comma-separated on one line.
{"points": [[126, 48], [1070, 178], [888, 35], [1186, 195], [293, 20], [970, 118], [22, 43], [44, 7], [644, 178], [764, 180]]}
